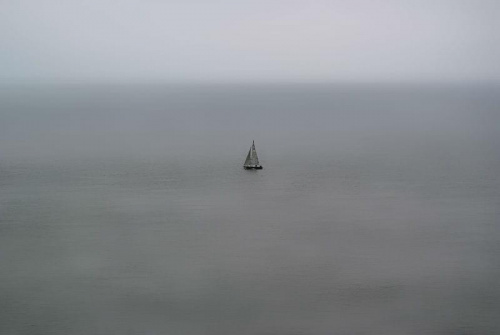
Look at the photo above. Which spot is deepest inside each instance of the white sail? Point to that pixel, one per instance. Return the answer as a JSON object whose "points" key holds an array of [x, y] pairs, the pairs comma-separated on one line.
{"points": [[252, 160], [254, 155], [248, 161]]}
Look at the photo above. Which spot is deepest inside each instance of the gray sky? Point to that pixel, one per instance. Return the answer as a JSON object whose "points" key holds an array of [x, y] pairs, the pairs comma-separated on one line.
{"points": [[258, 40]]}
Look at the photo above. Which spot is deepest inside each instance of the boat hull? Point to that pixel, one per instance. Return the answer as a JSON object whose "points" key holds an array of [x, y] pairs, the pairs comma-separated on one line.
{"points": [[258, 167]]}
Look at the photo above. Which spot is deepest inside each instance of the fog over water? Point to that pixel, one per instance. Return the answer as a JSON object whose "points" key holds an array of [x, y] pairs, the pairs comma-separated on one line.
{"points": [[124, 209]]}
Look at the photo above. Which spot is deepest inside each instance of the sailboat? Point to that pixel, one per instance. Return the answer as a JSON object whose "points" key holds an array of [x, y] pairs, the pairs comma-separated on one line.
{"points": [[252, 161]]}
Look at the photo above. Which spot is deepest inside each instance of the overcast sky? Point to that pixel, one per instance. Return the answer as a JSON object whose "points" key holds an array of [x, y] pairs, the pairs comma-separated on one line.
{"points": [[258, 40]]}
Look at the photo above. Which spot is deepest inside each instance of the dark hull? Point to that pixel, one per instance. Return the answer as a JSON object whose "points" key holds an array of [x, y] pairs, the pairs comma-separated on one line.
{"points": [[252, 167]]}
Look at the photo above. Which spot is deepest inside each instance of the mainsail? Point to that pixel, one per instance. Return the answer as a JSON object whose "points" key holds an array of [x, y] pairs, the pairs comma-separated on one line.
{"points": [[252, 159]]}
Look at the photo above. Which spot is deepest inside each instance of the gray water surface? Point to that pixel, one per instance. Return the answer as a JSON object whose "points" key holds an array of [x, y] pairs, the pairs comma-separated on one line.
{"points": [[125, 210]]}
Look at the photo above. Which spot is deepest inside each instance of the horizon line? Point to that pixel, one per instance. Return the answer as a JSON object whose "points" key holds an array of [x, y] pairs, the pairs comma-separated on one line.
{"points": [[151, 81]]}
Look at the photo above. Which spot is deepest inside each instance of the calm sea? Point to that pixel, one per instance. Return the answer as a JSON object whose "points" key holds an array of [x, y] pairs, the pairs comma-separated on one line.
{"points": [[124, 209]]}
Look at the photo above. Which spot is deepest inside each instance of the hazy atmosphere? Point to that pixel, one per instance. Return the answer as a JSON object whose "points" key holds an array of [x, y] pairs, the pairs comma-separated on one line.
{"points": [[127, 205], [277, 40]]}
